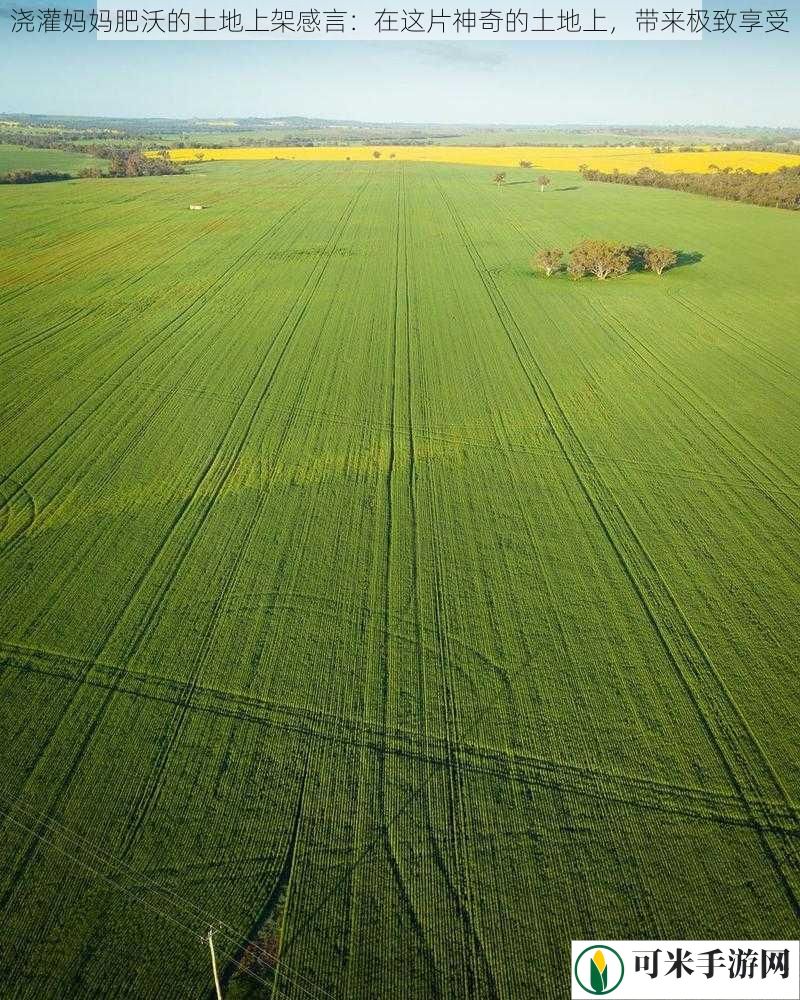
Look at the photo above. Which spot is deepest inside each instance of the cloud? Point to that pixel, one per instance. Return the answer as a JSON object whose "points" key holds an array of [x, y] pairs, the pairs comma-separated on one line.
{"points": [[474, 55]]}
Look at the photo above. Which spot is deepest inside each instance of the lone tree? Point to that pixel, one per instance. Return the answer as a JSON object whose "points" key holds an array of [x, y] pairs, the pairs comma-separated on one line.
{"points": [[525, 164], [660, 259], [548, 261], [377, 154], [543, 182], [500, 179], [602, 258]]}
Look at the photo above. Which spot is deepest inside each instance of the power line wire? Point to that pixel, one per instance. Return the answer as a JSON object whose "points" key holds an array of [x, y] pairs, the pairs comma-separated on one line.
{"points": [[98, 852], [143, 901]]}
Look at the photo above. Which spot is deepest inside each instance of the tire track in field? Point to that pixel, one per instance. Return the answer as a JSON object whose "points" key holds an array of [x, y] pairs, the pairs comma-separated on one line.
{"points": [[84, 360], [760, 350], [454, 775], [311, 283], [17, 511], [480, 977], [71, 249], [68, 245], [141, 430], [689, 399], [400, 320], [281, 886], [410, 490], [134, 360], [326, 727], [475, 959], [78, 263], [150, 795], [35, 340], [738, 749], [48, 219]]}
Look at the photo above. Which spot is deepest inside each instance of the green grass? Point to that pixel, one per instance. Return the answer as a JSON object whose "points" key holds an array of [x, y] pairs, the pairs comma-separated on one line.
{"points": [[349, 564], [28, 158]]}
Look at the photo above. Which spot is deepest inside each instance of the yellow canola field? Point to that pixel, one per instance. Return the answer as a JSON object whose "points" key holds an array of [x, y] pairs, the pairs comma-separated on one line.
{"points": [[626, 159]]}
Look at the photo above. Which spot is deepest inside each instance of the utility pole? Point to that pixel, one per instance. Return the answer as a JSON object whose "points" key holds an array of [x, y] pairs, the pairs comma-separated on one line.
{"points": [[210, 939]]}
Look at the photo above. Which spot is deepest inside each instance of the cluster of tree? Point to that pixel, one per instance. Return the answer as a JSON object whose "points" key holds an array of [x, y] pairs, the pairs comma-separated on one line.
{"points": [[605, 259], [32, 177], [779, 189], [133, 163], [103, 151]]}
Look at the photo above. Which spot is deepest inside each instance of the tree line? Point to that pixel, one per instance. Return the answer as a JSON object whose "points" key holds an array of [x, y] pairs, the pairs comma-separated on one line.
{"points": [[32, 177], [95, 142], [132, 163], [752, 146], [604, 259], [779, 189]]}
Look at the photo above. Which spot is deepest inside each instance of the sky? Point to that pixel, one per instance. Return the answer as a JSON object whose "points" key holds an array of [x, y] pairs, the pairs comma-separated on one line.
{"points": [[727, 80]]}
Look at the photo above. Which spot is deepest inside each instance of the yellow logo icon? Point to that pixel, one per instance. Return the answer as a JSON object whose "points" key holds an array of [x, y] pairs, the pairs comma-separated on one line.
{"points": [[599, 970]]}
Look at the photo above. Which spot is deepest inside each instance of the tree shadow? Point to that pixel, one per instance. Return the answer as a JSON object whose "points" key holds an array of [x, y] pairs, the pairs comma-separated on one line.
{"points": [[636, 255], [684, 258], [687, 257], [509, 183], [575, 187]]}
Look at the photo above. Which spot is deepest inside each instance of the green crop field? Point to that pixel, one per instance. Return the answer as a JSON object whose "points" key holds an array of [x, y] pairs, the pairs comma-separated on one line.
{"points": [[384, 601], [56, 160]]}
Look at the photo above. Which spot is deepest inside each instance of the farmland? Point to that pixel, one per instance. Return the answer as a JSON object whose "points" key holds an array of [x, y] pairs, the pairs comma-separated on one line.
{"points": [[22, 158], [360, 585], [626, 159]]}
